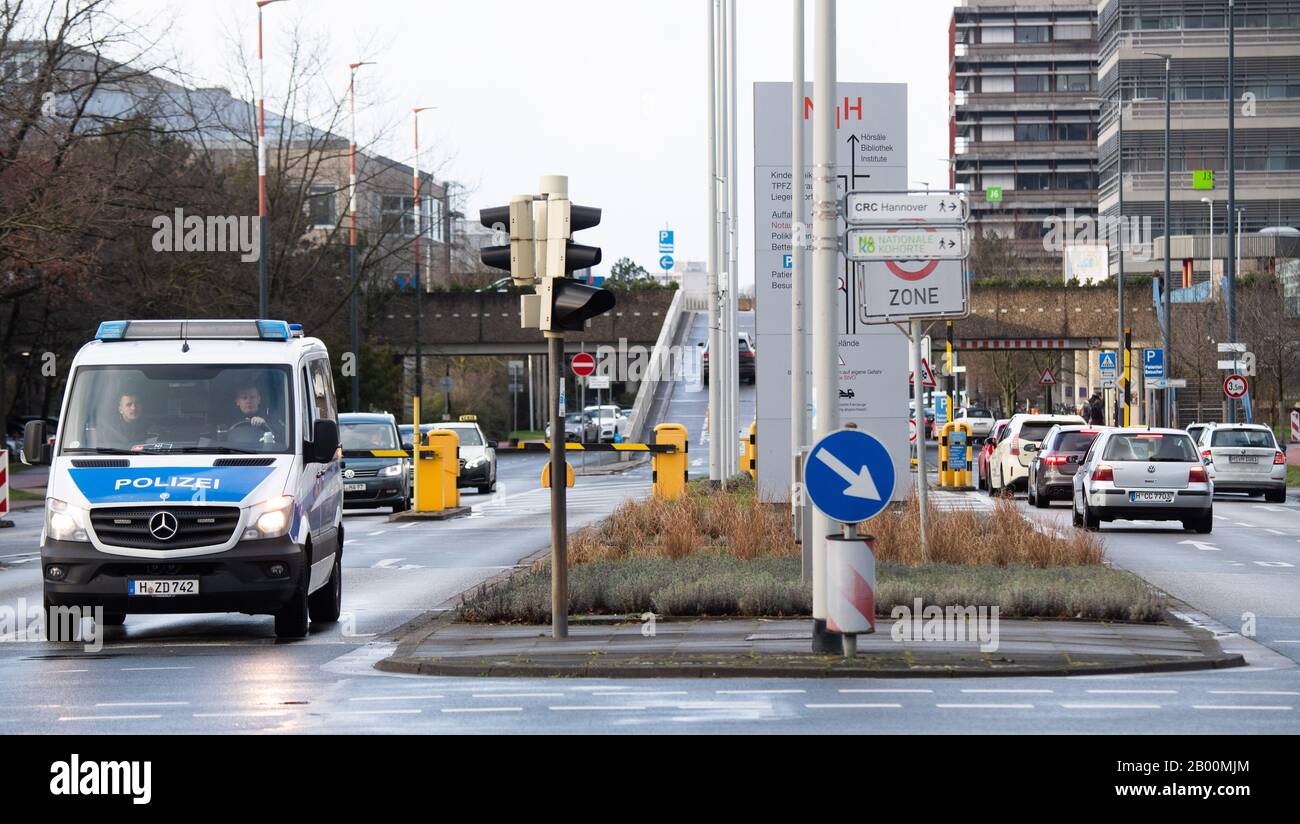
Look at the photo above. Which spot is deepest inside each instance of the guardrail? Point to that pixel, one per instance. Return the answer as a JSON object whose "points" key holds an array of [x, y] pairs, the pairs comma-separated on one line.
{"points": [[645, 393]]}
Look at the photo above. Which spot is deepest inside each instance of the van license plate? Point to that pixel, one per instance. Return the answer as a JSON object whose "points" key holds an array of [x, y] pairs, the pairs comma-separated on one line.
{"points": [[164, 588], [1151, 497], [354, 487]]}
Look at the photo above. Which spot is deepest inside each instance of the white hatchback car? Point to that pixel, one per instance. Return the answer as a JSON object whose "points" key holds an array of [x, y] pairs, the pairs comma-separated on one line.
{"points": [[980, 420], [1020, 439], [1143, 474], [1244, 457]]}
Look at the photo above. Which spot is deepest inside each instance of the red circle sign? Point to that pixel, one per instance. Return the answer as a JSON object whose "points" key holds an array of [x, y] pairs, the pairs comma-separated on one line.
{"points": [[906, 274], [1234, 386], [583, 364]]}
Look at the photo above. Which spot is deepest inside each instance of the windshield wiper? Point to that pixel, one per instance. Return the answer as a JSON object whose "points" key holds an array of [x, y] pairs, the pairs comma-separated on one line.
{"points": [[100, 450], [205, 450]]}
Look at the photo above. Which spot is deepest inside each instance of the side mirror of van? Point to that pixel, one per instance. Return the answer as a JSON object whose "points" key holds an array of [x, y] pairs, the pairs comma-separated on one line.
{"points": [[35, 448], [324, 441]]}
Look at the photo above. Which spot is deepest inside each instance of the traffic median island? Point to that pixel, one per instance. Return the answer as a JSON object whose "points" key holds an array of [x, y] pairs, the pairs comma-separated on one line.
{"points": [[710, 584]]}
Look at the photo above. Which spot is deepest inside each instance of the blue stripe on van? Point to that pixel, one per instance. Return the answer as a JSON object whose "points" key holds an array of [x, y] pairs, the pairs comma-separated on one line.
{"points": [[214, 484]]}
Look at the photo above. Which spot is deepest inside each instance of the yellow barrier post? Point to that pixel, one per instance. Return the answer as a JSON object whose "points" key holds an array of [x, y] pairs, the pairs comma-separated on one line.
{"points": [[960, 465], [670, 470], [546, 475], [437, 470], [749, 453], [945, 475]]}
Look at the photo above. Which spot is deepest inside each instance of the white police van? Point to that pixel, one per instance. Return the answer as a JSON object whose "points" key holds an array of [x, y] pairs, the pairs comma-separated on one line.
{"points": [[196, 469]]}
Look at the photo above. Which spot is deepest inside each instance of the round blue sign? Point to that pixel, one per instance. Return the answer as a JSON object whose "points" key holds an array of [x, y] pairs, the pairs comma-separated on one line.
{"points": [[666, 262], [849, 476]]}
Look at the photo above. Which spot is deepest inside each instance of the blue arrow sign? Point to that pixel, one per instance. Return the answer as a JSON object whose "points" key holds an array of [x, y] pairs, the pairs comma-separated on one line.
{"points": [[1153, 363], [849, 476], [666, 262]]}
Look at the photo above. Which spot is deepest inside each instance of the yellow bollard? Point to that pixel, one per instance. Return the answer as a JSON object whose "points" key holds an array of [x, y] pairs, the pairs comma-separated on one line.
{"points": [[546, 475], [945, 475], [960, 468], [670, 470], [751, 451], [437, 470]]}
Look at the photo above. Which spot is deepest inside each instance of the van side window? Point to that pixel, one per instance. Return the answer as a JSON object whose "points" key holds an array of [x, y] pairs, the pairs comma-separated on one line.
{"points": [[306, 404], [322, 388]]}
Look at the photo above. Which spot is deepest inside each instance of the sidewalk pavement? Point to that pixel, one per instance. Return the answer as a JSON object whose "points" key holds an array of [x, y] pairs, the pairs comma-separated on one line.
{"points": [[712, 648]]}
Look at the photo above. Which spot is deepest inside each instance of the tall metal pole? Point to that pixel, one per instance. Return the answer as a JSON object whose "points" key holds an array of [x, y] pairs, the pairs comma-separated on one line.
{"points": [[798, 289], [1230, 297], [1169, 312], [825, 368], [419, 229], [918, 395], [715, 396], [354, 310], [724, 241], [733, 267], [559, 516], [262, 284], [1121, 397]]}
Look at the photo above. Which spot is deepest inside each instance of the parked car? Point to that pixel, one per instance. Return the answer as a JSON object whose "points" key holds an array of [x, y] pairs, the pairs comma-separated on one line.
{"points": [[1024, 433], [986, 451], [370, 480], [979, 418], [604, 422], [1143, 474], [478, 458], [1051, 473], [1244, 457], [748, 369], [575, 424]]}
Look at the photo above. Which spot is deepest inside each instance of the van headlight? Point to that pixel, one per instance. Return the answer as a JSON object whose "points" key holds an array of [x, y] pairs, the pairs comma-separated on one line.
{"points": [[473, 463], [65, 521], [391, 471], [270, 519]]}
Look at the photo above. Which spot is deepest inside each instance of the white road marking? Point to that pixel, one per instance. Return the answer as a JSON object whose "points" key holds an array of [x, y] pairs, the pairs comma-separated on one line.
{"points": [[592, 707], [1286, 641], [1237, 707], [65, 672], [1007, 690], [108, 717], [985, 706], [376, 712], [1133, 692], [1272, 564], [850, 691], [1239, 523], [248, 714], [396, 697], [854, 706], [482, 709], [517, 695], [1111, 706], [1275, 531], [406, 526], [152, 669], [1254, 692], [641, 693], [143, 704], [760, 692]]}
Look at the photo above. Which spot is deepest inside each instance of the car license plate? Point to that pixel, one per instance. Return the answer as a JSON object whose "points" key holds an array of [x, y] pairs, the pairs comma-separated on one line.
{"points": [[164, 588], [354, 487], [1151, 497], [1243, 459]]}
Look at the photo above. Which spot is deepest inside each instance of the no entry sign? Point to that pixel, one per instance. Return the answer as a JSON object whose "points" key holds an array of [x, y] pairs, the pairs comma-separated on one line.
{"points": [[583, 364]]}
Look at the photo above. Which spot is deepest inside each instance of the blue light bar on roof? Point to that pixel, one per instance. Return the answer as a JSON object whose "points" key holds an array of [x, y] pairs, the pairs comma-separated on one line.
{"points": [[273, 329], [111, 330], [295, 329]]}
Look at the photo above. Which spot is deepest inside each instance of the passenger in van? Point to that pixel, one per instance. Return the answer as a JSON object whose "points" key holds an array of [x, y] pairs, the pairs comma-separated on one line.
{"points": [[124, 427], [252, 422]]}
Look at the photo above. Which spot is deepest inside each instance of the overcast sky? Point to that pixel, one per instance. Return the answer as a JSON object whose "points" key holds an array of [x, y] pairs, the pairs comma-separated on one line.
{"points": [[610, 92]]}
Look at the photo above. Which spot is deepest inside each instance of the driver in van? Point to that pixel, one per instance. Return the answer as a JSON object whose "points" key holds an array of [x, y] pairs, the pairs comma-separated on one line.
{"points": [[124, 427], [251, 416]]}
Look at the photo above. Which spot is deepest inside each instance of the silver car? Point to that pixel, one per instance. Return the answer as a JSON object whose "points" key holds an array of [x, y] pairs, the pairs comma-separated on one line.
{"points": [[1143, 474], [1245, 457]]}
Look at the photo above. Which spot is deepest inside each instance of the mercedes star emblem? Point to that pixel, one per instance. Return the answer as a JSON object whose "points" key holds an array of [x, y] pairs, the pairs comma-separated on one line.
{"points": [[163, 525]]}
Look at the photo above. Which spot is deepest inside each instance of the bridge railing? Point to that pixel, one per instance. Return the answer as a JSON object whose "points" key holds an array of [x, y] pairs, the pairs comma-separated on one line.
{"points": [[659, 356]]}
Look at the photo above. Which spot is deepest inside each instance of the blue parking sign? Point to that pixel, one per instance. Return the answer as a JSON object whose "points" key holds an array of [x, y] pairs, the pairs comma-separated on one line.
{"points": [[1153, 363]]}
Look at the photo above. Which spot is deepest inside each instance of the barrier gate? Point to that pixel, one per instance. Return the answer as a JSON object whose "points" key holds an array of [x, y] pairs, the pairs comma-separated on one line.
{"points": [[669, 458]]}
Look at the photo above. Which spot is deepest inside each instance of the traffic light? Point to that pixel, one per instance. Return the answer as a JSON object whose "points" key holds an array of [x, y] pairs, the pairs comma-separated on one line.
{"points": [[563, 218], [517, 258], [567, 305]]}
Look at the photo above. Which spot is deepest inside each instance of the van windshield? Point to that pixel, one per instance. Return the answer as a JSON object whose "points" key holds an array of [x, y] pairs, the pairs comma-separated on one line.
{"points": [[179, 408]]}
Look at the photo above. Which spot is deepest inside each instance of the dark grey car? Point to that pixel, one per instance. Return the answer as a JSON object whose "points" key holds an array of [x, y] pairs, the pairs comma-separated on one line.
{"points": [[1051, 474]]}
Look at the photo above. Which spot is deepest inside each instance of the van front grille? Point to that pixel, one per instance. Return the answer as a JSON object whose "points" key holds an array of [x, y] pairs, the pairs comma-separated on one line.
{"points": [[196, 526]]}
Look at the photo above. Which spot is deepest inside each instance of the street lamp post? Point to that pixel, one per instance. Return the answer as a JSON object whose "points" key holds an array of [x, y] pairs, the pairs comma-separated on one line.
{"points": [[1230, 263], [415, 269], [354, 310], [262, 297], [1167, 408]]}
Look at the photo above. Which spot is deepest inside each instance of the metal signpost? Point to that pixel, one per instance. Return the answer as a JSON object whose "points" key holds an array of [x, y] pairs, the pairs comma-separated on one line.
{"points": [[909, 249]]}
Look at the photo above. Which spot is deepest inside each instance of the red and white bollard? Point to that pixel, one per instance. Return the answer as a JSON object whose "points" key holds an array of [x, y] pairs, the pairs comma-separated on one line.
{"points": [[850, 586]]}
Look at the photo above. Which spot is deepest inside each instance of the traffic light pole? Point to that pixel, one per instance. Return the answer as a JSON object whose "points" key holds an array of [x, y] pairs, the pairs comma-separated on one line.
{"points": [[559, 514]]}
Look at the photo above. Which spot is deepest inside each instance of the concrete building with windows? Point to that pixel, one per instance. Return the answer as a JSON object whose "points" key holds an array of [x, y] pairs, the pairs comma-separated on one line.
{"points": [[1022, 124], [1267, 130]]}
